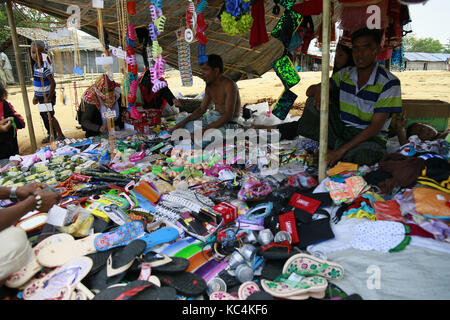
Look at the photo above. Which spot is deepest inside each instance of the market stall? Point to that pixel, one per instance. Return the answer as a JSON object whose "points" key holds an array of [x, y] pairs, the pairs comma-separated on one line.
{"points": [[145, 217]]}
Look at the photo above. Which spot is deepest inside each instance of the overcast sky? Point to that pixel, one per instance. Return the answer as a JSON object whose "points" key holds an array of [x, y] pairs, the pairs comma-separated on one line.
{"points": [[431, 20]]}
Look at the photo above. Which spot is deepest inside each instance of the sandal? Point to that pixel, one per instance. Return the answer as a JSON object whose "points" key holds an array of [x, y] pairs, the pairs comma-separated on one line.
{"points": [[120, 236], [308, 265]]}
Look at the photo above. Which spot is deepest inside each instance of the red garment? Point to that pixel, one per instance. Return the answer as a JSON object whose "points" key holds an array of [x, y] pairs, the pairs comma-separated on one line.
{"points": [[258, 32], [418, 231], [388, 210], [149, 97], [357, 203], [309, 7]]}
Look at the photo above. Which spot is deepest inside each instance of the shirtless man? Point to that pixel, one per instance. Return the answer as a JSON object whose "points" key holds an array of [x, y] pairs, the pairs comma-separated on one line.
{"points": [[220, 90]]}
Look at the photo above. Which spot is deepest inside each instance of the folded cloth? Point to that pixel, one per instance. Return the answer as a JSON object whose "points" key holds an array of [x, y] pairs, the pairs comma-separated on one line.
{"points": [[342, 167]]}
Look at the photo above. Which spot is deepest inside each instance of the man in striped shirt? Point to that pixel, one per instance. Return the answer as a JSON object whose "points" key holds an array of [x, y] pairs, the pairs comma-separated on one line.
{"points": [[363, 98]]}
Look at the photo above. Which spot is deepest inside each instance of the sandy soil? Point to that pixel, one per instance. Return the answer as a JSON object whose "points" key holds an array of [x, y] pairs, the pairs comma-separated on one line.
{"points": [[431, 85]]}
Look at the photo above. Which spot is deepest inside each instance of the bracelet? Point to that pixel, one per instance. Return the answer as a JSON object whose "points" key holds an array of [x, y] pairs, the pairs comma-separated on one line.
{"points": [[38, 201], [13, 195]]}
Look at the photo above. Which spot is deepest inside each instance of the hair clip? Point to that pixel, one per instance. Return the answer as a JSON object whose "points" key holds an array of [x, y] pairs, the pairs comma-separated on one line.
{"points": [[131, 60], [153, 12], [131, 33], [159, 23], [201, 6], [158, 85], [131, 7], [153, 32]]}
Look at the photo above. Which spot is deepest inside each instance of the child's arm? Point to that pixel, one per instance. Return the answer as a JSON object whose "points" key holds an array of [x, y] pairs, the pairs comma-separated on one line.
{"points": [[10, 112], [51, 93]]}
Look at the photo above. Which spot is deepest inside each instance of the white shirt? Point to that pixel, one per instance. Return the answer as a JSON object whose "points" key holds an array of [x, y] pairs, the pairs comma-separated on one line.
{"points": [[4, 57]]}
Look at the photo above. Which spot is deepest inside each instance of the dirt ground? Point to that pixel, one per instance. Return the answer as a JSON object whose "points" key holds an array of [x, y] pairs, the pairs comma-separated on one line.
{"points": [[428, 85]]}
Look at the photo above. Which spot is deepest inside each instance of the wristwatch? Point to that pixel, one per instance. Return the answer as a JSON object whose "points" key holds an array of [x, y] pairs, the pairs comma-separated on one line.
{"points": [[12, 195]]}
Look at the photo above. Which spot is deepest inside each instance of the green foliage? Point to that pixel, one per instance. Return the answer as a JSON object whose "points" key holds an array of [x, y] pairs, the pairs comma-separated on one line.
{"points": [[24, 17], [430, 45]]}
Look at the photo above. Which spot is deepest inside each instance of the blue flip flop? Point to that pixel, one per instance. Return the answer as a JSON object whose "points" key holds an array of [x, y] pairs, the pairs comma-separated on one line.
{"points": [[159, 236], [120, 236], [179, 245]]}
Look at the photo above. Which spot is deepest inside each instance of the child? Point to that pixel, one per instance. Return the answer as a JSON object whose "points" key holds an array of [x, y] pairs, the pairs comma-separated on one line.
{"points": [[44, 88], [10, 121]]}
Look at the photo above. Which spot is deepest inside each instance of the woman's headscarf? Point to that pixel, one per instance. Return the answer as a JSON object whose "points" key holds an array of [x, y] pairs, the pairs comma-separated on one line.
{"points": [[104, 91]]}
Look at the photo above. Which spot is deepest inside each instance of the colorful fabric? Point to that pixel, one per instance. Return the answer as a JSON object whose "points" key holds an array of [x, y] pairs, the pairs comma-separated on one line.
{"points": [[103, 91], [41, 83], [342, 167], [381, 94], [347, 192]]}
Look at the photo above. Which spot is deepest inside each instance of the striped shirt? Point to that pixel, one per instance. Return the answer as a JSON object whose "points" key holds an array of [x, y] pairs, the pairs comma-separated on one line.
{"points": [[381, 94], [40, 80]]}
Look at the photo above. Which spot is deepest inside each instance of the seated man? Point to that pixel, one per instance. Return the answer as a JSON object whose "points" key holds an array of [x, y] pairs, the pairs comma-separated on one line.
{"points": [[220, 90], [362, 100]]}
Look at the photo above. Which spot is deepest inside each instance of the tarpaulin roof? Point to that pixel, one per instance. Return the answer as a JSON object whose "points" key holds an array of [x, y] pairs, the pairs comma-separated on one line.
{"points": [[430, 57], [239, 58]]}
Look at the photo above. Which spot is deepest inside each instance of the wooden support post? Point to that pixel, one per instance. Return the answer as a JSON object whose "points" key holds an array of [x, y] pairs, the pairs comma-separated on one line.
{"points": [[325, 93], [23, 87]]}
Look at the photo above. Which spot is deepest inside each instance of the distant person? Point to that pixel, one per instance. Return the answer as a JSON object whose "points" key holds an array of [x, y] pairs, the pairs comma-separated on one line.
{"points": [[10, 121], [6, 67], [220, 90], [44, 89], [101, 96], [15, 249]]}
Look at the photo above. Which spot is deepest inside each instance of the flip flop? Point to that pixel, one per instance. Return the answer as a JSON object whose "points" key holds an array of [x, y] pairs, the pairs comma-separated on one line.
{"points": [[21, 277], [186, 283], [247, 289], [315, 295], [272, 269], [99, 260], [283, 289], [117, 264], [148, 291], [120, 236], [166, 264], [60, 283], [59, 253], [112, 292], [175, 247], [309, 265], [158, 237], [221, 295]]}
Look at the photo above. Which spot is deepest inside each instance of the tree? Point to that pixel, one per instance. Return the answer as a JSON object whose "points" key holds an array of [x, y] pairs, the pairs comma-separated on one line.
{"points": [[430, 45], [447, 46], [25, 17]]}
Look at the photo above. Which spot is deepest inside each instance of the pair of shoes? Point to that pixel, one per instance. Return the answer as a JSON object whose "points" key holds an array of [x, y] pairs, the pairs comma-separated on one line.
{"points": [[46, 139]]}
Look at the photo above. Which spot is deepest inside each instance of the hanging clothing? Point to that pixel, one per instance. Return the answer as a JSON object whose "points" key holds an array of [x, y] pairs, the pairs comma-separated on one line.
{"points": [[149, 99], [258, 32]]}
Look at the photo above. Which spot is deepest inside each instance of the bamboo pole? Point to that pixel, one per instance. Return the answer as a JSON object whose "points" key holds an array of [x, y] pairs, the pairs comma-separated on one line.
{"points": [[23, 87], [325, 93]]}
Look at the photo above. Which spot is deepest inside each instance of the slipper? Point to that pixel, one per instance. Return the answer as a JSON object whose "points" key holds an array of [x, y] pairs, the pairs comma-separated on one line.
{"points": [[148, 291], [275, 251], [247, 289], [117, 264], [158, 237], [284, 286], [186, 283], [60, 283], [113, 291], [221, 295], [166, 264], [59, 253], [260, 295], [179, 245], [315, 295], [21, 277], [272, 269], [99, 260], [309, 265], [120, 236]]}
